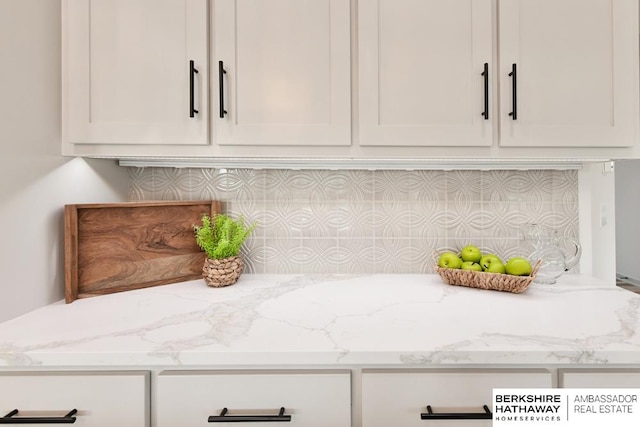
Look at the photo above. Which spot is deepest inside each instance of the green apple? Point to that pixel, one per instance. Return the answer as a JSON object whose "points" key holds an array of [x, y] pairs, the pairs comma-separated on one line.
{"points": [[471, 253], [469, 265], [449, 260], [489, 259], [518, 266], [496, 267]]}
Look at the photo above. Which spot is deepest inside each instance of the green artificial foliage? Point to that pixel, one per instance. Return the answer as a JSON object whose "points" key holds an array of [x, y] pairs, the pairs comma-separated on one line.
{"points": [[221, 236]]}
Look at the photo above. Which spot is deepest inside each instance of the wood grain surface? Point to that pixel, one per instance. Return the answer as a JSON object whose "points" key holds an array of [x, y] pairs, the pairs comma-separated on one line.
{"points": [[118, 247]]}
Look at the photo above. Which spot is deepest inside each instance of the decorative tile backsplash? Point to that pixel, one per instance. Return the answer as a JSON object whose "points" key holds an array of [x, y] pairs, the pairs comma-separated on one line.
{"points": [[357, 221]]}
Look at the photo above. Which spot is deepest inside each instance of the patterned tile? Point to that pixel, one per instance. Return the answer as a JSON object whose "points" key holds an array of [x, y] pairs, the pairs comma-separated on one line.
{"points": [[424, 213], [255, 255], [243, 184], [394, 256], [355, 255], [464, 185], [352, 185], [395, 185], [393, 219], [140, 184], [317, 255], [432, 185], [371, 221], [208, 184], [171, 184], [354, 219]]}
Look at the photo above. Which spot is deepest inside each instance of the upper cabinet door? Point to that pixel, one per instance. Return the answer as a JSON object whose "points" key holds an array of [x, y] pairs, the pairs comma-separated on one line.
{"points": [[282, 72], [576, 73], [127, 75], [422, 72]]}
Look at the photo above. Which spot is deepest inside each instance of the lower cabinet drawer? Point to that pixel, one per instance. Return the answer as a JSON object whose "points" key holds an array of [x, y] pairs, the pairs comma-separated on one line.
{"points": [[599, 378], [286, 398], [93, 399], [399, 398]]}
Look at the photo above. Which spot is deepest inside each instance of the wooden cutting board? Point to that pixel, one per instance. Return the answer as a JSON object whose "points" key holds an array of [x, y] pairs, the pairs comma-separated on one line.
{"points": [[115, 247]]}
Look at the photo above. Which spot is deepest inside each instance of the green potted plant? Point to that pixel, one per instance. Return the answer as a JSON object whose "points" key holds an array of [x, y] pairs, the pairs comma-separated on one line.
{"points": [[220, 237]]}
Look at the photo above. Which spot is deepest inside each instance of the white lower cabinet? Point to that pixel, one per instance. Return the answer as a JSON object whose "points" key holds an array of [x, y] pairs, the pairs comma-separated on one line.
{"points": [[93, 399], [288, 398], [400, 397], [599, 378], [309, 398]]}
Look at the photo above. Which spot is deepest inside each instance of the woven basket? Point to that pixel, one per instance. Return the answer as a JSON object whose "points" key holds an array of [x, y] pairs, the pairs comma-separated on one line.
{"points": [[222, 272], [484, 280]]}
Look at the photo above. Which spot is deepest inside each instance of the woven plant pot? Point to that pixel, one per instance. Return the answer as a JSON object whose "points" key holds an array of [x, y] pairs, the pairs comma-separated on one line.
{"points": [[222, 272]]}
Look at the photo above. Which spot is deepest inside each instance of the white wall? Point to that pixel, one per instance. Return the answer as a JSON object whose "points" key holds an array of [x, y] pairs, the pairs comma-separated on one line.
{"points": [[35, 180], [627, 218], [596, 192]]}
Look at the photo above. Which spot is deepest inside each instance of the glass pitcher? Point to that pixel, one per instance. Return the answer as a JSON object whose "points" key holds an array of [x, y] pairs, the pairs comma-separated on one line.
{"points": [[558, 254]]}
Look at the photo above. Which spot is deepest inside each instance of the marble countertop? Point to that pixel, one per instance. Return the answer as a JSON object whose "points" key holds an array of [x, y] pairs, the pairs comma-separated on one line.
{"points": [[296, 320]]}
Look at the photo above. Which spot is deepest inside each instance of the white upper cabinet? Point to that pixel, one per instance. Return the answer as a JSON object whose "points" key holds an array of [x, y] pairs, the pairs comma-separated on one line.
{"points": [[282, 72], [569, 72], [422, 78], [430, 79], [127, 74]]}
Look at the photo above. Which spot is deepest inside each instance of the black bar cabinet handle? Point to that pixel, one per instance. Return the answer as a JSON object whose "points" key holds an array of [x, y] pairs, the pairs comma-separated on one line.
{"points": [[192, 77], [430, 415], [221, 73], [485, 74], [224, 418], [67, 419], [514, 92]]}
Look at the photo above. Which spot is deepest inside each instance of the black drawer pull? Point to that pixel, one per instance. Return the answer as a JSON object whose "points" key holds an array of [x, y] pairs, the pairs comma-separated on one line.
{"points": [[224, 418], [485, 74], [221, 73], [67, 419], [429, 415], [192, 95], [514, 92]]}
